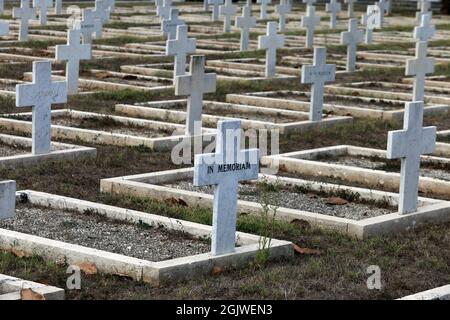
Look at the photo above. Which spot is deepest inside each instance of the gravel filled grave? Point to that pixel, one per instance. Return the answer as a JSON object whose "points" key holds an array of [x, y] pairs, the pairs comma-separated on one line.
{"points": [[7, 150], [92, 230], [300, 199]]}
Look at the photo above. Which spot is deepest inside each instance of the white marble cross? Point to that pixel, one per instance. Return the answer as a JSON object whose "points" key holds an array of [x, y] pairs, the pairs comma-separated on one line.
{"points": [[73, 52], [426, 30], [309, 2], [245, 22], [4, 28], [40, 95], [372, 20], [195, 84], [383, 5], [2, 6], [271, 42], [7, 199], [333, 7], [179, 48], [318, 74], [205, 5], [58, 7], [419, 68], [282, 10], [169, 26], [42, 5], [351, 38], [101, 11], [424, 8], [25, 13], [163, 10], [263, 8], [228, 10], [310, 22], [215, 9], [408, 145], [350, 7], [224, 169], [111, 5], [89, 25]]}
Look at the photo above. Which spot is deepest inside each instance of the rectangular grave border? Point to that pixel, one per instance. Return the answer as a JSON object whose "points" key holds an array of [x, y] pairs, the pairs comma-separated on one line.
{"points": [[61, 151], [10, 288], [178, 269], [147, 186]]}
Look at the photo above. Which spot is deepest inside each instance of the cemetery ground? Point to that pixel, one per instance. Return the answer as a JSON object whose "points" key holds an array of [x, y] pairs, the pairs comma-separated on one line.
{"points": [[328, 265]]}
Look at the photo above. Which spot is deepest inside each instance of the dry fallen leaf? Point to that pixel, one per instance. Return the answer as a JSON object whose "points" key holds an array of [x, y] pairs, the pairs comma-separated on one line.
{"points": [[179, 202], [88, 268], [336, 201], [29, 294], [216, 271], [301, 224], [19, 253], [306, 251]]}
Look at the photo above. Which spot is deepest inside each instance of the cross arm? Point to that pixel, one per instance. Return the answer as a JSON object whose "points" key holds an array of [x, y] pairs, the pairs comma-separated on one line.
{"points": [[428, 140]]}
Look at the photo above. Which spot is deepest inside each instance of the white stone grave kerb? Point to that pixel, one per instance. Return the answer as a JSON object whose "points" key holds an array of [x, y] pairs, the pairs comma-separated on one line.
{"points": [[73, 52], [351, 38], [372, 21], [350, 7], [263, 8], [195, 84], [271, 42], [7, 199], [333, 7], [310, 22], [88, 25], [318, 74], [215, 9], [42, 6], [24, 13], [169, 26], [179, 48], [245, 22], [228, 10], [282, 10], [426, 30], [408, 145], [224, 169], [419, 68], [40, 95]]}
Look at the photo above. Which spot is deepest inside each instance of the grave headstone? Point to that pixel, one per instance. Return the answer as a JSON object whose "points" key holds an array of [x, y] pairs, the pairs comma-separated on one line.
{"points": [[245, 23], [282, 10], [317, 75], [372, 21], [73, 52], [224, 169], [205, 5], [163, 10], [24, 13], [309, 2], [58, 7], [419, 68], [263, 8], [101, 11], [111, 5], [333, 7], [42, 6], [271, 42], [169, 26], [7, 199], [310, 22], [194, 85], [382, 4], [179, 48], [2, 6], [88, 25], [408, 145], [228, 10], [351, 38], [40, 95], [350, 7], [424, 7], [426, 30], [215, 9], [4, 28]]}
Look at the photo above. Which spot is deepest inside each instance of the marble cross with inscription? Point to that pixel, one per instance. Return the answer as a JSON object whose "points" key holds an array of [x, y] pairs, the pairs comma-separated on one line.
{"points": [[426, 30], [310, 22], [351, 38], [408, 145], [228, 10], [169, 26], [245, 23], [179, 48], [194, 85], [350, 7], [282, 10], [40, 95], [215, 9], [271, 42], [318, 74], [419, 68], [88, 25], [163, 9], [42, 6], [372, 21], [73, 52], [224, 169], [333, 7], [263, 8], [24, 13]]}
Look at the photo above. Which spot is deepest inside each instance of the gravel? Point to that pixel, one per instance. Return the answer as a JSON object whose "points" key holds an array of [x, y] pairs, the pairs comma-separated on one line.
{"points": [[95, 231], [288, 198], [7, 150]]}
